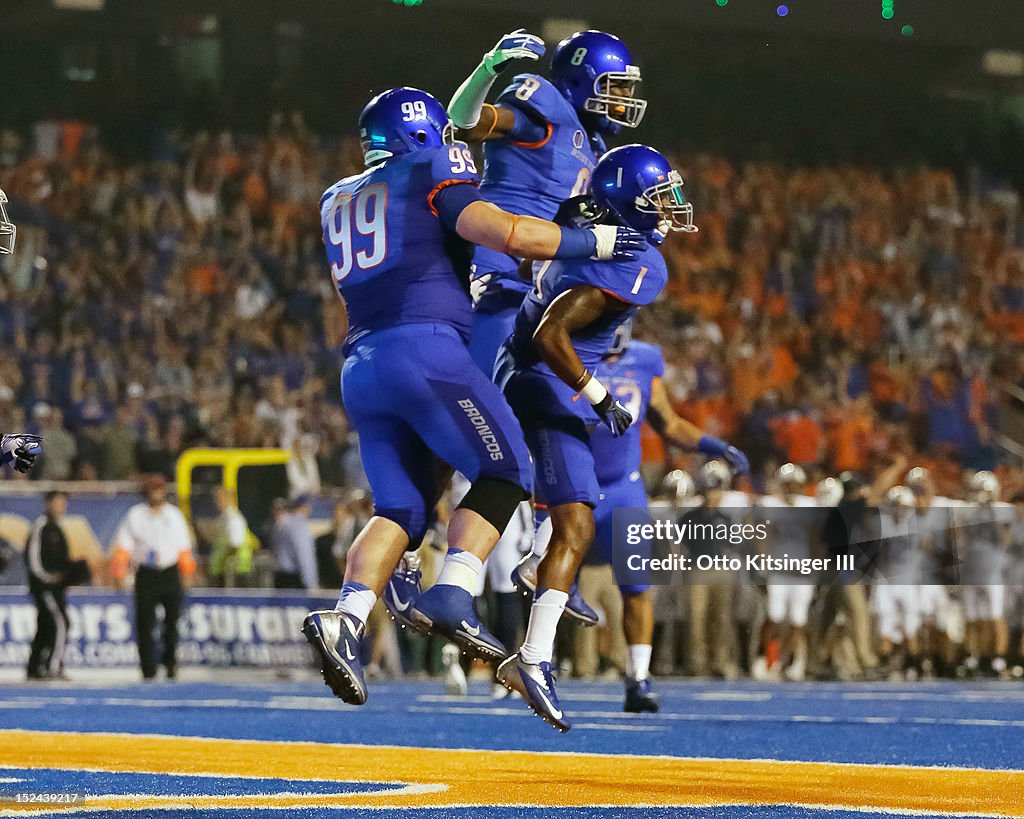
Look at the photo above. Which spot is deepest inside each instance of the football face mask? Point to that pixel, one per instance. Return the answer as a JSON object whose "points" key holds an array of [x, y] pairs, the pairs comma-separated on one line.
{"points": [[615, 97], [668, 201]]}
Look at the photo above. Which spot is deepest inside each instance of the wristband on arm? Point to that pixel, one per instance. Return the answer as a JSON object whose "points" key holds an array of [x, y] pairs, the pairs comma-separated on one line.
{"points": [[594, 391], [576, 243], [710, 445]]}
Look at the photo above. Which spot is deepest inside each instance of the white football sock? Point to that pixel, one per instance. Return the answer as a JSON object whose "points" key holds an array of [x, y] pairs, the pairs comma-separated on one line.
{"points": [[461, 569], [357, 601], [639, 665], [540, 633]]}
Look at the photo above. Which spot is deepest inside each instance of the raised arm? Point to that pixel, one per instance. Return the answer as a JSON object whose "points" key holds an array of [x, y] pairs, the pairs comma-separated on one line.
{"points": [[887, 479], [475, 120]]}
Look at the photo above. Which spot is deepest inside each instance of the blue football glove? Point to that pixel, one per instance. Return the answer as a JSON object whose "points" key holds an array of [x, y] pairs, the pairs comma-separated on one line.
{"points": [[20, 450], [516, 45], [717, 448], [614, 242], [614, 416]]}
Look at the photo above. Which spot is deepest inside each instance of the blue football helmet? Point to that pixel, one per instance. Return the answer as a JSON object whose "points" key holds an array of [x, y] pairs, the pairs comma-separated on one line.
{"points": [[595, 72], [402, 120], [639, 186], [8, 233]]}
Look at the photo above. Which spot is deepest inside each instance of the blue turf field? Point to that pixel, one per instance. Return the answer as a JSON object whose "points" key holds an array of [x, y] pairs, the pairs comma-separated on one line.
{"points": [[977, 726]]}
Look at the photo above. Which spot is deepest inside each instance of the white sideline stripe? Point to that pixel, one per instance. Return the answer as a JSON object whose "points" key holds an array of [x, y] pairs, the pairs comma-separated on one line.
{"points": [[330, 704], [602, 726], [899, 811], [792, 718], [929, 696], [568, 696], [735, 696]]}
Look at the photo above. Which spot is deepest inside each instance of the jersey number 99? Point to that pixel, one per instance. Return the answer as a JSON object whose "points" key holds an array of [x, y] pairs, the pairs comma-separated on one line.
{"points": [[367, 209], [414, 110]]}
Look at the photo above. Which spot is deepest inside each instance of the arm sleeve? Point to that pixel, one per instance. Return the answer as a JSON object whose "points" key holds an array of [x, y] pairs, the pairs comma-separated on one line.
{"points": [[537, 105], [657, 362], [452, 167], [34, 553], [61, 561], [450, 200], [186, 532], [525, 129], [123, 539], [468, 101]]}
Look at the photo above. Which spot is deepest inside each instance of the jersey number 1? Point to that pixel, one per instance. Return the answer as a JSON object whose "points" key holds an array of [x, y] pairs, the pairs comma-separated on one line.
{"points": [[369, 207]]}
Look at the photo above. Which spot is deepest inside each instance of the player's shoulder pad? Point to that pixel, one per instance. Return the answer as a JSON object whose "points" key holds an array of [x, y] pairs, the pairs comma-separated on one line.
{"points": [[536, 96], [342, 185], [637, 281], [328, 195], [450, 163]]}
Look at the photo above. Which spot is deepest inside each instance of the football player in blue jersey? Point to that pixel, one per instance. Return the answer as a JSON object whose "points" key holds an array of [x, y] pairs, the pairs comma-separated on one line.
{"points": [[19, 450], [541, 139], [632, 371], [546, 368], [398, 242]]}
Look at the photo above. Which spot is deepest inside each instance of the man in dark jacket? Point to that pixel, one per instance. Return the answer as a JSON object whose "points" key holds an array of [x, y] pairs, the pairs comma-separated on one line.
{"points": [[50, 571]]}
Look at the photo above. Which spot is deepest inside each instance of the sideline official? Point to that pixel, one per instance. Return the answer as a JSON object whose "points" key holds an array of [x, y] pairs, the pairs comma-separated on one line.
{"points": [[154, 538], [49, 575]]}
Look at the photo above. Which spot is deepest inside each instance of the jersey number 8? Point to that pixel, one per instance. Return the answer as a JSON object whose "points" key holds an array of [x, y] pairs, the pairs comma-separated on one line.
{"points": [[369, 207], [527, 88]]}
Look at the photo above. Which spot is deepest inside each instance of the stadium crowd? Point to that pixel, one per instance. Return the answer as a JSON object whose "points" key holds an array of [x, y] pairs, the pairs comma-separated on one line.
{"points": [[823, 316], [835, 318]]}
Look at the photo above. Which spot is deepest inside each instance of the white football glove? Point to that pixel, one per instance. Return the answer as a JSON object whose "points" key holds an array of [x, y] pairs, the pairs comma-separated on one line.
{"points": [[516, 45]]}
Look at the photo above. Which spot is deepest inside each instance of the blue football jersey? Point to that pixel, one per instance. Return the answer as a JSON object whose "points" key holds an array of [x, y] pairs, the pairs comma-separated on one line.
{"points": [[628, 378], [392, 258], [533, 179], [636, 283]]}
